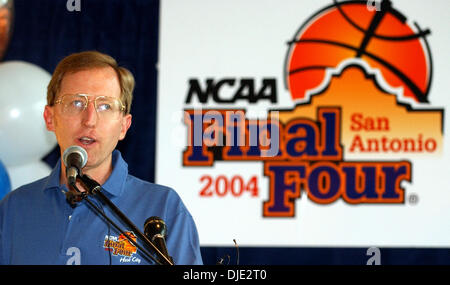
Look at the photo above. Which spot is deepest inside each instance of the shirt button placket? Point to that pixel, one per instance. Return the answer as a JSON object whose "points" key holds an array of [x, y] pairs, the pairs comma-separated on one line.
{"points": [[68, 234]]}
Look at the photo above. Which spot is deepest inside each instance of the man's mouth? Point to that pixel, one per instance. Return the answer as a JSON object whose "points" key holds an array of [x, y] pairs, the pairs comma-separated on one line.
{"points": [[86, 140]]}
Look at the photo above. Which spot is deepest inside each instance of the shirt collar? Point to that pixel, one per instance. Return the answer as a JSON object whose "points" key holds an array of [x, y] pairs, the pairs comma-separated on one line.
{"points": [[53, 178], [115, 183]]}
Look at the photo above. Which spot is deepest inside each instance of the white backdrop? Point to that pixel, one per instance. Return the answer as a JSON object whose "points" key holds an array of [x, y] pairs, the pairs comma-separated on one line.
{"points": [[204, 39]]}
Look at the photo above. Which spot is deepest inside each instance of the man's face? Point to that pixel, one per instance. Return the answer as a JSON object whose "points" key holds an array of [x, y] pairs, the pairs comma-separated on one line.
{"points": [[97, 135]]}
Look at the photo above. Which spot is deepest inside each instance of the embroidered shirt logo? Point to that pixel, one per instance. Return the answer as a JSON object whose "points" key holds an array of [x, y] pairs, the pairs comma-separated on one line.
{"points": [[121, 246]]}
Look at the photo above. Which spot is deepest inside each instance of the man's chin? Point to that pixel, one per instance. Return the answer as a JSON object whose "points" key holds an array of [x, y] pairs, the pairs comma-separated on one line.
{"points": [[95, 163]]}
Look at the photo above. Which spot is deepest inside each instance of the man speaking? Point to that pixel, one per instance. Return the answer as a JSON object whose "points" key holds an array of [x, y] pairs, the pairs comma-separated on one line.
{"points": [[88, 106]]}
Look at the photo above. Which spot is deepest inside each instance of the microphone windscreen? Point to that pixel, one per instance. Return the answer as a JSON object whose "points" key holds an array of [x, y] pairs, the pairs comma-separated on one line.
{"points": [[75, 151], [155, 226]]}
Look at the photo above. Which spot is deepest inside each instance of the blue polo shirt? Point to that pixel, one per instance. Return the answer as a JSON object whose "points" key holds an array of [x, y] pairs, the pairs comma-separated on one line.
{"points": [[38, 225]]}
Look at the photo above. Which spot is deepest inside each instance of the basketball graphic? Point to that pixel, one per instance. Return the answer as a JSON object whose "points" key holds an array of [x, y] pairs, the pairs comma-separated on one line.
{"points": [[345, 30]]}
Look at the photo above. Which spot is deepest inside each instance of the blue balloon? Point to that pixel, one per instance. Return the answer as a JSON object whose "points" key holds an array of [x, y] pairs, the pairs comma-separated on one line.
{"points": [[5, 184]]}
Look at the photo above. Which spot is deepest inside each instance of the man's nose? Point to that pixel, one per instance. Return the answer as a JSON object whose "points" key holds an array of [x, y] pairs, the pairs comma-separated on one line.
{"points": [[90, 115]]}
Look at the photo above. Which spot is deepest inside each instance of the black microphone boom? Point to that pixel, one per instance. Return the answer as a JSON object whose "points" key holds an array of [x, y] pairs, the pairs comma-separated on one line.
{"points": [[94, 188], [74, 158]]}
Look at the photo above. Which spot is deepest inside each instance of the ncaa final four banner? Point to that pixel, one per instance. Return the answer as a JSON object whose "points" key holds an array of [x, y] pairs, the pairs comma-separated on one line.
{"points": [[307, 123]]}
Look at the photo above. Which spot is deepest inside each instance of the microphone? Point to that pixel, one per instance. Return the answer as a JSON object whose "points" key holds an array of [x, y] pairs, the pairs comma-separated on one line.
{"points": [[155, 230], [73, 198], [74, 158]]}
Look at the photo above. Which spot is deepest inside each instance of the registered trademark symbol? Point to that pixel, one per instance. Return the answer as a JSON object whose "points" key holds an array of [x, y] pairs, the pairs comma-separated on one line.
{"points": [[413, 199]]}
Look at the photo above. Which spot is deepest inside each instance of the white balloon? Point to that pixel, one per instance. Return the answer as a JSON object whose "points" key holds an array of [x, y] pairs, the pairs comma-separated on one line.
{"points": [[27, 173], [24, 137]]}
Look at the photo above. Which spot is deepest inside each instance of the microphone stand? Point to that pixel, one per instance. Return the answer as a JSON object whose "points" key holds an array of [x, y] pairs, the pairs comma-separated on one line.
{"points": [[146, 255], [94, 188]]}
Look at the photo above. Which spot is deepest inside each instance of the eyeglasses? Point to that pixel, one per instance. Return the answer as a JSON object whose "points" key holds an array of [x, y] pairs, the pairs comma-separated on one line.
{"points": [[106, 107]]}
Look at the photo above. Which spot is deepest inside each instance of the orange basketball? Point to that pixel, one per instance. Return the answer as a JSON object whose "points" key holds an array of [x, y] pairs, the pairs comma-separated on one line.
{"points": [[349, 29]]}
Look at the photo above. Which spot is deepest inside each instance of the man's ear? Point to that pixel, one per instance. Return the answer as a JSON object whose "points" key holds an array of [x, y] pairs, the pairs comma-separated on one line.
{"points": [[126, 123], [49, 118]]}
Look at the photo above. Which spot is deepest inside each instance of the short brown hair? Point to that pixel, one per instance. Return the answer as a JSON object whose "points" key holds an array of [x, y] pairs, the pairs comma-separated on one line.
{"points": [[89, 60]]}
